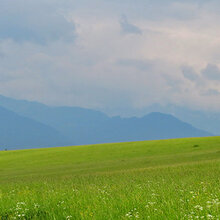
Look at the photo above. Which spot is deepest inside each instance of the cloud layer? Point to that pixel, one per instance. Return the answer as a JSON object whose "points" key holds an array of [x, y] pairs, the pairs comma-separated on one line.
{"points": [[111, 55]]}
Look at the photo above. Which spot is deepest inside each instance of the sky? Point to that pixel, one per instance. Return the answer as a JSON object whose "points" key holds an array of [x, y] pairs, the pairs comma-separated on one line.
{"points": [[111, 55]]}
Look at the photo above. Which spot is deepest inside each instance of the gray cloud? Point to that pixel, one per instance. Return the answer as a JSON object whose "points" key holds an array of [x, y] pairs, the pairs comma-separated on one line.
{"points": [[189, 73], [2, 55], [211, 92], [38, 22], [211, 72], [128, 27], [73, 52], [5, 77], [144, 65]]}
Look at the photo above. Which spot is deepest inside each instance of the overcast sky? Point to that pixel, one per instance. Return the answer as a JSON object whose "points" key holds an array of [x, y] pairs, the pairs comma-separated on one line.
{"points": [[111, 55]]}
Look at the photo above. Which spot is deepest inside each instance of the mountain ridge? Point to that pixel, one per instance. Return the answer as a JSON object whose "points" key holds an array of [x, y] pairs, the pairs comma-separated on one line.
{"points": [[85, 126]]}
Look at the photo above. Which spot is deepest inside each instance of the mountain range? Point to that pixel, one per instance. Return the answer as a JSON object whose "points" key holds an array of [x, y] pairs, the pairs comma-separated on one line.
{"points": [[203, 119], [26, 124]]}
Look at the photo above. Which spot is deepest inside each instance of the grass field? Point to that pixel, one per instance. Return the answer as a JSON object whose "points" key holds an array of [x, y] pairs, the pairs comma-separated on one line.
{"points": [[169, 179]]}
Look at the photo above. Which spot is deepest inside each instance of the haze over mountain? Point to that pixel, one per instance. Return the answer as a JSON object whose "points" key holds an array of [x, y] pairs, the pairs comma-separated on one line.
{"points": [[111, 54], [76, 126]]}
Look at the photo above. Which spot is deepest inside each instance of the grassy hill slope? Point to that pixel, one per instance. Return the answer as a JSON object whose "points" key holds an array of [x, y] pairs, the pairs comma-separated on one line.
{"points": [[168, 179]]}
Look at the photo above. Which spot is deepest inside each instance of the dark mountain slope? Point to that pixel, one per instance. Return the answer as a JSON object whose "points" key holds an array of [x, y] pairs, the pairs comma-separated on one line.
{"points": [[18, 132], [150, 127]]}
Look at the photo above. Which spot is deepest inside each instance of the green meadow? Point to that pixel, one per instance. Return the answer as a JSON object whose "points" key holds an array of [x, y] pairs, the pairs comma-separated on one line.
{"points": [[167, 179]]}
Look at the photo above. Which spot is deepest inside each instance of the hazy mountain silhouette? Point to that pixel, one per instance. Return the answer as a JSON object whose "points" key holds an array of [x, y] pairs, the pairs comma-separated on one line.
{"points": [[150, 127], [18, 132], [205, 120], [85, 126]]}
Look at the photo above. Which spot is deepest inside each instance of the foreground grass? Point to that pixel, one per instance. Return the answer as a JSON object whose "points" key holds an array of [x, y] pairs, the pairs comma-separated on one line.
{"points": [[169, 179]]}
